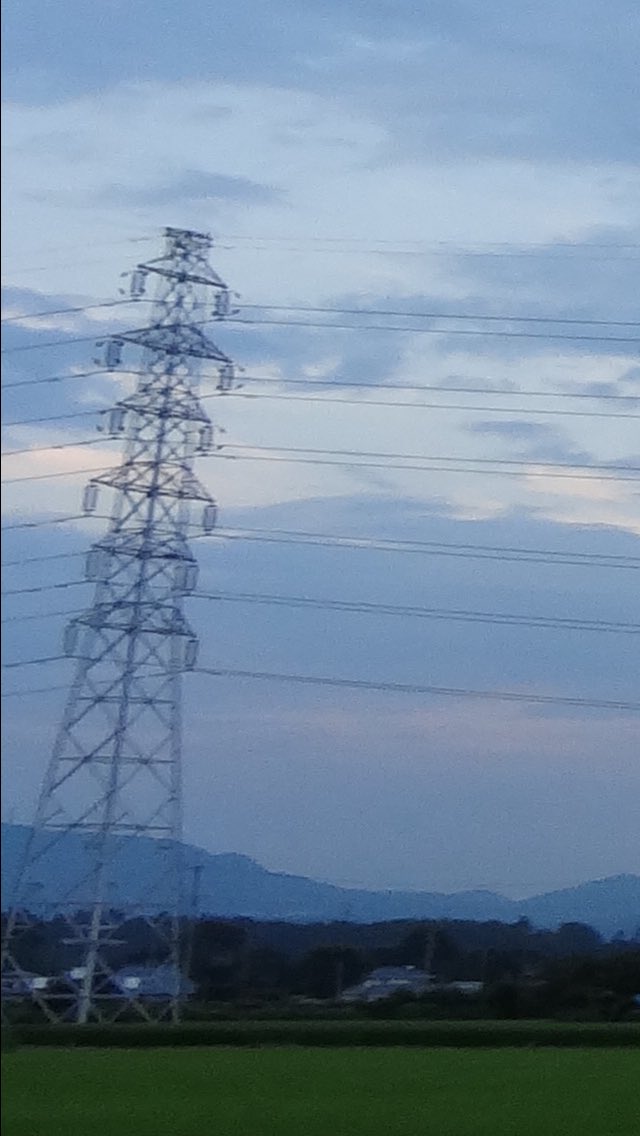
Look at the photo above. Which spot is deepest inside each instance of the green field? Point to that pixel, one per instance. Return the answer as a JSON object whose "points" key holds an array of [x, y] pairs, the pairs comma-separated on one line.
{"points": [[321, 1092]]}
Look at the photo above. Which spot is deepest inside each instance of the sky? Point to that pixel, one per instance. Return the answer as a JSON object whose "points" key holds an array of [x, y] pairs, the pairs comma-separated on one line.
{"points": [[451, 158]]}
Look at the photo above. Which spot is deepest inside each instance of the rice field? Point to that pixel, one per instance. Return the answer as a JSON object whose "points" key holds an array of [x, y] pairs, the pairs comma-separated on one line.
{"points": [[295, 1091]]}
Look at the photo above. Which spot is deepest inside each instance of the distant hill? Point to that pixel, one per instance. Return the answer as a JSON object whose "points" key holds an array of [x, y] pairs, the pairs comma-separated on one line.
{"points": [[235, 885]]}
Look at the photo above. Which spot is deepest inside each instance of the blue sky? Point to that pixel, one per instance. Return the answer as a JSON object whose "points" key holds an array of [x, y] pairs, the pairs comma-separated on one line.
{"points": [[442, 157]]}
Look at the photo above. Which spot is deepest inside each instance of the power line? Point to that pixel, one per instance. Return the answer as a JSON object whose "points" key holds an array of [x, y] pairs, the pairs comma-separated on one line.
{"points": [[434, 331], [363, 608], [43, 588], [77, 310], [415, 688], [333, 326], [52, 476], [435, 457], [503, 553], [413, 405], [33, 662], [72, 415], [41, 615], [531, 411], [323, 462], [63, 378], [475, 317], [380, 246], [395, 404], [52, 521], [34, 690], [40, 559], [96, 244], [455, 615], [387, 687], [330, 540], [309, 382], [53, 446], [543, 246], [51, 418], [379, 544], [488, 462]]}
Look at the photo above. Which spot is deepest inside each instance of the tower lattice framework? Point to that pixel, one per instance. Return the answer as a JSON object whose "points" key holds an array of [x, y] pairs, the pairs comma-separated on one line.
{"points": [[115, 771]]}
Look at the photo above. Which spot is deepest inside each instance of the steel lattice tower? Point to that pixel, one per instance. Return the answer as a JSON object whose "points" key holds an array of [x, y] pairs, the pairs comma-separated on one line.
{"points": [[115, 770]]}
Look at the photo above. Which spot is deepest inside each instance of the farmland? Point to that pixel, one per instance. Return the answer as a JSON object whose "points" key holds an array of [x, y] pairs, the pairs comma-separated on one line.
{"points": [[321, 1091]]}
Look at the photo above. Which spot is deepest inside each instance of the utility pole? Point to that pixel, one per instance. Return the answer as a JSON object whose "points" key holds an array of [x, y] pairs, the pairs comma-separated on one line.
{"points": [[116, 768]]}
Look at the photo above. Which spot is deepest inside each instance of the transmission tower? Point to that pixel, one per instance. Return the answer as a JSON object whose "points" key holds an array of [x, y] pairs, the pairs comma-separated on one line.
{"points": [[115, 771]]}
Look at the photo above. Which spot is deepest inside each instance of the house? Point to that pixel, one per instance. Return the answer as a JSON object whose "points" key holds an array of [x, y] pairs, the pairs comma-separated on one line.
{"points": [[22, 985], [469, 988], [152, 982], [387, 981]]}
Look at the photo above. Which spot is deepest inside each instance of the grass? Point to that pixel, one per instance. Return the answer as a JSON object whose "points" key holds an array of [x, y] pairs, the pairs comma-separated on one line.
{"points": [[421, 1033], [321, 1092]]}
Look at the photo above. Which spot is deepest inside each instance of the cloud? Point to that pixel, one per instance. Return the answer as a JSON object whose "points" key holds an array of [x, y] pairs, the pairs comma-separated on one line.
{"points": [[192, 185], [448, 78], [449, 157]]}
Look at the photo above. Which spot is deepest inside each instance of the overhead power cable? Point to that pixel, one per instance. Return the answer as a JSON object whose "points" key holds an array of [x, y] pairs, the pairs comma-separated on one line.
{"points": [[116, 242], [323, 399], [582, 251], [506, 553], [65, 378], [330, 462], [418, 388], [41, 524], [366, 684], [31, 691], [41, 559], [378, 544], [362, 608], [525, 463], [531, 411], [415, 688], [333, 326], [474, 317], [78, 309], [368, 242], [411, 611], [52, 418], [435, 457], [53, 446], [332, 309], [43, 588], [41, 615]]}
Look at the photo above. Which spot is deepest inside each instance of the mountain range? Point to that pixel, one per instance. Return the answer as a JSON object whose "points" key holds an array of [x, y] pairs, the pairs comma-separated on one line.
{"points": [[231, 884]]}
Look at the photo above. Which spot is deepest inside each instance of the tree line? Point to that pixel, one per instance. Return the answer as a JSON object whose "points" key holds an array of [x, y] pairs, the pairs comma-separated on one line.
{"points": [[243, 963]]}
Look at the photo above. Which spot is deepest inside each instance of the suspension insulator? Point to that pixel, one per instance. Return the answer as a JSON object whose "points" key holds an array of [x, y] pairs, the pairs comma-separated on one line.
{"points": [[70, 638], [226, 376], [222, 305], [190, 654], [205, 439], [186, 576], [97, 564], [209, 517], [138, 283], [90, 497], [113, 354], [117, 420]]}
